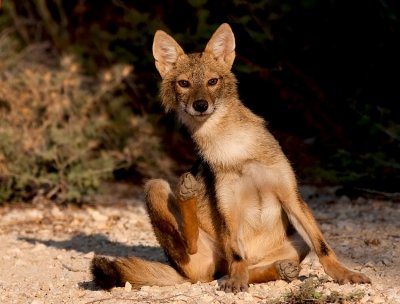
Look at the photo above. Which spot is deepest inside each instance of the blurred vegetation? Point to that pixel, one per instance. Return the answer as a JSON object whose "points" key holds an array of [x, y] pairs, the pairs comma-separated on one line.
{"points": [[78, 91], [311, 291]]}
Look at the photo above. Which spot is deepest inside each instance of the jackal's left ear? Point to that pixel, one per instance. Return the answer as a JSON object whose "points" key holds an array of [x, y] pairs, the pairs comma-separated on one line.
{"points": [[166, 52], [222, 45]]}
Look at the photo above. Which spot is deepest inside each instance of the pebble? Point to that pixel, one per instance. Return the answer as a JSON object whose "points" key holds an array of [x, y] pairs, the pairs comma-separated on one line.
{"points": [[386, 262], [128, 287]]}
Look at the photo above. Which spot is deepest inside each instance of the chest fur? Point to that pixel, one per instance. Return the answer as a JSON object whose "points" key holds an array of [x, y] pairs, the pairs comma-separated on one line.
{"points": [[248, 203]]}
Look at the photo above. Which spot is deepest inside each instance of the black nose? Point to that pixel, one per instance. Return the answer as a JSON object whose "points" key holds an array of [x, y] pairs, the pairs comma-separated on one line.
{"points": [[200, 105]]}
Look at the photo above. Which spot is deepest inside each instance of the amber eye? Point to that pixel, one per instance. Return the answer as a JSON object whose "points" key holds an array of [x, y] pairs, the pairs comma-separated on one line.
{"points": [[183, 83], [212, 81]]}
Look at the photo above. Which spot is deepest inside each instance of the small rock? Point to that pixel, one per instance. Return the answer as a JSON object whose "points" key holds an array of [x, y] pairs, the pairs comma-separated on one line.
{"points": [[386, 262], [128, 287]]}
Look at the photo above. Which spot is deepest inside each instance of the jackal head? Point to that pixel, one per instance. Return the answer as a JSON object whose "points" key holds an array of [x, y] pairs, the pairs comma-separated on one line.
{"points": [[198, 84]]}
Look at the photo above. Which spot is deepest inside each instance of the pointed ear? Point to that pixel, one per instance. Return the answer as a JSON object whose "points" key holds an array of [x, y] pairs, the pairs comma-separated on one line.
{"points": [[222, 45], [165, 51]]}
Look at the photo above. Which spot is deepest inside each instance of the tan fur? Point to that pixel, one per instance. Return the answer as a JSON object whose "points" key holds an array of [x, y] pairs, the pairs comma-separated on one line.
{"points": [[244, 195]]}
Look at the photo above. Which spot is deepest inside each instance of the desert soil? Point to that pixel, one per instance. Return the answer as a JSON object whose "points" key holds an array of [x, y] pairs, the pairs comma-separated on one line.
{"points": [[46, 249]]}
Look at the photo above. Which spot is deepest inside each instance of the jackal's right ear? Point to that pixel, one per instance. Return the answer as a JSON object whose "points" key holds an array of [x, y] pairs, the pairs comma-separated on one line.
{"points": [[165, 51]]}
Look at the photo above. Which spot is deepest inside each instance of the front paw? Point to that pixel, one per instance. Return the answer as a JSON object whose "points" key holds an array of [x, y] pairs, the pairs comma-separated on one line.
{"points": [[188, 187], [234, 285], [352, 277], [343, 275]]}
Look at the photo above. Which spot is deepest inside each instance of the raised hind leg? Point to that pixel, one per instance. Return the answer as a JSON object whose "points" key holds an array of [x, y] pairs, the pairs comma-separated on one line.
{"points": [[187, 193], [175, 226]]}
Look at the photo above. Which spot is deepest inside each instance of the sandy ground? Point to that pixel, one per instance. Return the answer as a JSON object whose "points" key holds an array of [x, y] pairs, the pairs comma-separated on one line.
{"points": [[45, 251]]}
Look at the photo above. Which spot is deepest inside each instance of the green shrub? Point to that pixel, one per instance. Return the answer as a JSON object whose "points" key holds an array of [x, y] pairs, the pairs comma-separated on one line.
{"points": [[61, 132], [311, 291]]}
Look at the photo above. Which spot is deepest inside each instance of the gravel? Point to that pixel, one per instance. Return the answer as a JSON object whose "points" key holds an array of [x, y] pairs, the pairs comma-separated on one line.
{"points": [[46, 249]]}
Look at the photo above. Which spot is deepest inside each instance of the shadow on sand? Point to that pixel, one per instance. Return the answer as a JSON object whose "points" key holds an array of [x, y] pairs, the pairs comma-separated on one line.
{"points": [[101, 245]]}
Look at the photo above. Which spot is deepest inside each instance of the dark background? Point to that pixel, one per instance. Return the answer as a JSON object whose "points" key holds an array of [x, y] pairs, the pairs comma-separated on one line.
{"points": [[324, 74]]}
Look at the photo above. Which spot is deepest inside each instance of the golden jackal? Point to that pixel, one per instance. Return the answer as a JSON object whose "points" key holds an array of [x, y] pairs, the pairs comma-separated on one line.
{"points": [[233, 215]]}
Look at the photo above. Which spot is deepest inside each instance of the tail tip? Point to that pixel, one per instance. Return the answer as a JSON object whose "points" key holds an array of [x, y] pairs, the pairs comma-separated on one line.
{"points": [[104, 273]]}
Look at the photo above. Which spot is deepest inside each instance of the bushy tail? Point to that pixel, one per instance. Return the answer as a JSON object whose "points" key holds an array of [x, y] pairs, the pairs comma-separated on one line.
{"points": [[110, 273]]}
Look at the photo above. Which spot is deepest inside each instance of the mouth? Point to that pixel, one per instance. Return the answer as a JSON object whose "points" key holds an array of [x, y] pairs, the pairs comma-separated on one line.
{"points": [[198, 116]]}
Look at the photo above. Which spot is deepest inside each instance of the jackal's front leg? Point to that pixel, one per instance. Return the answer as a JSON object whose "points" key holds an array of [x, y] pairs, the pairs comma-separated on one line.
{"points": [[302, 218], [238, 272], [187, 192]]}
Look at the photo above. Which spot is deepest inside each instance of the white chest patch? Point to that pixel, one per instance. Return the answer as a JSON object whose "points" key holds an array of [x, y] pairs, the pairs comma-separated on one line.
{"points": [[223, 146], [229, 149]]}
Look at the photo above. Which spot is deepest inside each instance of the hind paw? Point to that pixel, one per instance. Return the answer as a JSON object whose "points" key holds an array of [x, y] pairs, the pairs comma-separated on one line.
{"points": [[288, 269], [188, 187]]}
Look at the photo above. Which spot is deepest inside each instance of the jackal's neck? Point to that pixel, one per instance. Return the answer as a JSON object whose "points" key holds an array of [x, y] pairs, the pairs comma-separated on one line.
{"points": [[229, 136]]}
